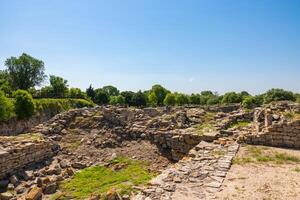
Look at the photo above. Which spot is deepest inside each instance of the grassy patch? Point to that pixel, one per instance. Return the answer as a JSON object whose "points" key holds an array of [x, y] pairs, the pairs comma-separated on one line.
{"points": [[239, 124], [256, 154], [207, 124], [292, 115], [297, 169], [121, 175]]}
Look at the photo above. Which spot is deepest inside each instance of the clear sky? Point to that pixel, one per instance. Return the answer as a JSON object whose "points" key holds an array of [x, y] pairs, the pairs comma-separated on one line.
{"points": [[185, 45]]}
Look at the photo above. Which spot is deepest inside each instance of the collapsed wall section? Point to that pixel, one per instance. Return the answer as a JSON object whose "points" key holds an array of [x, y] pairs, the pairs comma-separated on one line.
{"points": [[22, 154]]}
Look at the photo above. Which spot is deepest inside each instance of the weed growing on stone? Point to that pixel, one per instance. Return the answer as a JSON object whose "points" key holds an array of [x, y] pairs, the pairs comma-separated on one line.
{"points": [[121, 175]]}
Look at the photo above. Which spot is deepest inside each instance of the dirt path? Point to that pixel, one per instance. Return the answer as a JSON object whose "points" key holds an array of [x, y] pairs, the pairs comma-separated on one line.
{"points": [[263, 180]]}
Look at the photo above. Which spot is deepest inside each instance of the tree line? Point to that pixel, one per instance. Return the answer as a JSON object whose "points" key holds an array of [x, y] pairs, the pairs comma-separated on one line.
{"points": [[26, 73]]}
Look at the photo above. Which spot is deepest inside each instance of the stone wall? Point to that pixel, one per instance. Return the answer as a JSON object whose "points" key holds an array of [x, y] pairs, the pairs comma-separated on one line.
{"points": [[17, 155], [15, 126], [283, 134]]}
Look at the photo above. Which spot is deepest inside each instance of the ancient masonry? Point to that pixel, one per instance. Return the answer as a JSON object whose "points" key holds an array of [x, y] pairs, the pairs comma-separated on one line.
{"points": [[203, 159], [273, 129], [198, 176], [16, 155]]}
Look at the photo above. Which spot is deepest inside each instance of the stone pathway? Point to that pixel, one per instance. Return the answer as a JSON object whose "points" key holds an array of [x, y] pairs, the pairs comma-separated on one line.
{"points": [[198, 176]]}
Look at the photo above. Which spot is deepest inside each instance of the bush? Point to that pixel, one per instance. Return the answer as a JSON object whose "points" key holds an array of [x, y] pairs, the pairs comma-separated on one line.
{"points": [[101, 97], [117, 100], [139, 99], [251, 102], [232, 97], [213, 100], [195, 99], [170, 100], [278, 95], [152, 99], [24, 105], [6, 108], [181, 99]]}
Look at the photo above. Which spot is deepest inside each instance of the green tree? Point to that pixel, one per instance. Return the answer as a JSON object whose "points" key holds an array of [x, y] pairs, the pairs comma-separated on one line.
{"points": [[152, 99], [213, 100], [5, 83], [181, 99], [207, 93], [59, 86], [6, 107], [77, 93], [25, 71], [117, 100], [278, 95], [111, 90], [47, 92], [101, 97], [24, 105], [195, 99], [250, 102], [91, 92], [170, 100], [232, 97], [128, 95], [139, 99], [160, 93]]}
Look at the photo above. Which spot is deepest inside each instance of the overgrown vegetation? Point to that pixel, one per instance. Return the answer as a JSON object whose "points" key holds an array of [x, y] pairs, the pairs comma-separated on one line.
{"points": [[258, 154], [239, 124], [121, 175], [292, 115]]}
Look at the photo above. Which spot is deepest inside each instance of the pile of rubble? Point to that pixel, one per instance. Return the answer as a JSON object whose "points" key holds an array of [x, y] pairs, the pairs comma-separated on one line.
{"points": [[73, 140]]}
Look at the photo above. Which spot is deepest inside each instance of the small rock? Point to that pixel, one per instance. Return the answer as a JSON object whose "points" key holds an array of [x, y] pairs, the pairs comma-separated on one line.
{"points": [[50, 188], [10, 186], [34, 194], [14, 180], [6, 196], [113, 156], [78, 165]]}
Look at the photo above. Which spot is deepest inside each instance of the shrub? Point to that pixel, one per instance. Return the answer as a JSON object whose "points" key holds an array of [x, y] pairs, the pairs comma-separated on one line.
{"points": [[278, 95], [252, 101], [152, 99], [117, 100], [213, 100], [6, 108], [139, 99], [101, 97], [181, 99], [170, 100], [232, 97], [24, 105], [195, 99]]}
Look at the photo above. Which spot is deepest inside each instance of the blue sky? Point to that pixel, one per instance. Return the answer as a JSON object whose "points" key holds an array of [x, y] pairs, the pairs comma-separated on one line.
{"points": [[186, 45]]}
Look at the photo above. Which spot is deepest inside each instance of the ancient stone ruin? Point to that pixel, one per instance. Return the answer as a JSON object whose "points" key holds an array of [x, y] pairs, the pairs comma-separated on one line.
{"points": [[190, 148]]}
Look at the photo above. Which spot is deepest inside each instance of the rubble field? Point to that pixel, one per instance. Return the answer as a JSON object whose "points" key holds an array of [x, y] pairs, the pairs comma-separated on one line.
{"points": [[167, 153]]}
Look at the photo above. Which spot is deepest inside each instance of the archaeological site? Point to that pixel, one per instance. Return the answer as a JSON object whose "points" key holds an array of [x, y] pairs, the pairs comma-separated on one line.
{"points": [[163, 153]]}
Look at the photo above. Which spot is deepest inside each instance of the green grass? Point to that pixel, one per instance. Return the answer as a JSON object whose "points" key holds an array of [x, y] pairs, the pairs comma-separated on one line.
{"points": [[297, 169], [256, 154], [292, 115], [207, 124], [239, 124], [99, 179]]}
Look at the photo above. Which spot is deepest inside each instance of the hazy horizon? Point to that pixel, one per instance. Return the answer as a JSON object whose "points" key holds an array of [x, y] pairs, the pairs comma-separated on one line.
{"points": [[186, 46]]}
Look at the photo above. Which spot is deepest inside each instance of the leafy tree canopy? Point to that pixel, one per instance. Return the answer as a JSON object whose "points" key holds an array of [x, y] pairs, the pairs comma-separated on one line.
{"points": [[25, 71]]}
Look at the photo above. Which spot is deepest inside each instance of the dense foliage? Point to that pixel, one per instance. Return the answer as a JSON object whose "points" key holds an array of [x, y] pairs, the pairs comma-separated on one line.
{"points": [[26, 72], [6, 107], [24, 105]]}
